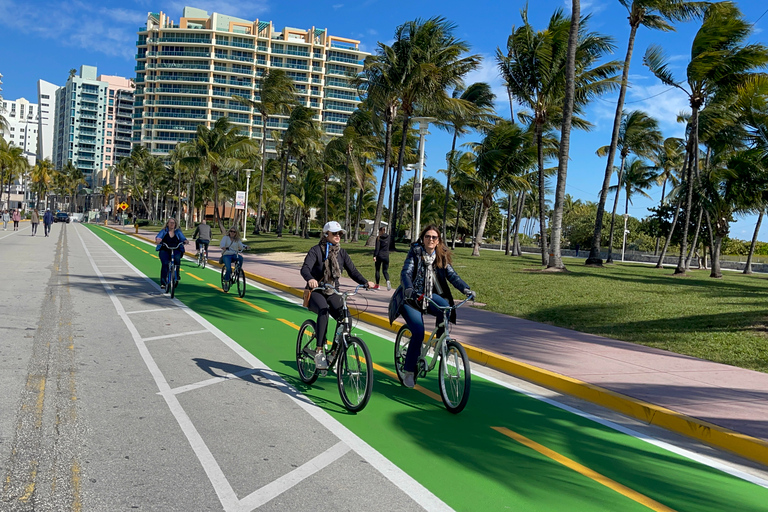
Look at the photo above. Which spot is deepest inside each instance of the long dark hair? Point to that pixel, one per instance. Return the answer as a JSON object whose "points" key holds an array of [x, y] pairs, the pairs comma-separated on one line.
{"points": [[443, 255]]}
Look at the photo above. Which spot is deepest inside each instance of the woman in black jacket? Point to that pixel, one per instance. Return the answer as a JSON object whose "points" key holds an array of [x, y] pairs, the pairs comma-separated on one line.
{"points": [[381, 257], [426, 272], [323, 265]]}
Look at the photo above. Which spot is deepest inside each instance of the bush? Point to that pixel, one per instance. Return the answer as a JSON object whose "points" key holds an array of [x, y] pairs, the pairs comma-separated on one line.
{"points": [[141, 222]]}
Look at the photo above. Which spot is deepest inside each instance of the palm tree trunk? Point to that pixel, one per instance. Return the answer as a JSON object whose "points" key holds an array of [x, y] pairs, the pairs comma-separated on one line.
{"points": [[360, 195], [542, 198], [393, 214], [609, 259], [661, 203], [325, 200], [521, 197], [481, 226], [716, 258], [448, 186], [660, 263], [383, 188], [555, 259], [748, 265], [456, 226], [594, 251], [347, 189], [693, 163], [694, 245], [283, 192], [509, 225], [259, 225]]}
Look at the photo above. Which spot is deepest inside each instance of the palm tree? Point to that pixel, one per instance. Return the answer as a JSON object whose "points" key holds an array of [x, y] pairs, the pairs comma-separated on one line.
{"points": [[537, 63], [639, 134], [474, 111], [221, 148], [12, 164], [637, 178], [503, 157], [277, 95], [668, 161], [653, 14], [42, 178], [720, 62]]}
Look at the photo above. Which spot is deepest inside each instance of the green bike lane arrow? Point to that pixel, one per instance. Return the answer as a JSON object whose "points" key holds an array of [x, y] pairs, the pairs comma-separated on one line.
{"points": [[506, 450]]}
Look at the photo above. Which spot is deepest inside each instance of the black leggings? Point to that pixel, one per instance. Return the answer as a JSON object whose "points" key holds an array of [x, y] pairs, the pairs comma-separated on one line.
{"points": [[323, 305], [383, 265]]}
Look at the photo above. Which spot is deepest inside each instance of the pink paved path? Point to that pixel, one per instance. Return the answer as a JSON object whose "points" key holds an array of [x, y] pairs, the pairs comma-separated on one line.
{"points": [[727, 396]]}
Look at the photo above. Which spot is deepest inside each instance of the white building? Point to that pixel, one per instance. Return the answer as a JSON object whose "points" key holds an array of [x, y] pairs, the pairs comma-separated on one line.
{"points": [[22, 118], [46, 98]]}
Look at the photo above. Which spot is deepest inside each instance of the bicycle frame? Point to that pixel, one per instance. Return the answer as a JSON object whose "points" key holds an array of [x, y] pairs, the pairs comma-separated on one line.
{"points": [[438, 344], [345, 322]]}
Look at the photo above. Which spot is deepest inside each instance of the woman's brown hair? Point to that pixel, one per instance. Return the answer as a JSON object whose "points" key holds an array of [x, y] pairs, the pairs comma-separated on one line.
{"points": [[443, 254]]}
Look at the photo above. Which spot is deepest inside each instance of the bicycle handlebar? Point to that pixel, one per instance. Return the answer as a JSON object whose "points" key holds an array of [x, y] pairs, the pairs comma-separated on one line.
{"points": [[172, 248], [327, 286], [447, 308]]}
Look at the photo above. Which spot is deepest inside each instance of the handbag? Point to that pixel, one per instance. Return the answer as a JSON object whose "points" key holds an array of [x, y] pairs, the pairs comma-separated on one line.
{"points": [[305, 299]]}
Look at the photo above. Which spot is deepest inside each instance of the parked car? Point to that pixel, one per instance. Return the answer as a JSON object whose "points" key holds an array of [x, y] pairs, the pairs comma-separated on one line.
{"points": [[61, 217]]}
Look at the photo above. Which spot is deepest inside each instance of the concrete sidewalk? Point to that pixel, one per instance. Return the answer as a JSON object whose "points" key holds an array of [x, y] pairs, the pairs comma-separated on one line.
{"points": [[720, 405]]}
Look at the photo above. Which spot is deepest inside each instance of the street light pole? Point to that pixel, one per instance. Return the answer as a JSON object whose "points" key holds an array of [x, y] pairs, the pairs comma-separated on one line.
{"points": [[423, 132], [247, 191], [624, 243]]}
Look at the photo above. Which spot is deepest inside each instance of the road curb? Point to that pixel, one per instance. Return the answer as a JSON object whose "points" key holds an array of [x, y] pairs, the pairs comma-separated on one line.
{"points": [[743, 445]]}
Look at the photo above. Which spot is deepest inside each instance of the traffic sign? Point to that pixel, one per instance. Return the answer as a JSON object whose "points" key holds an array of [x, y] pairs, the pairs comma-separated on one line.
{"points": [[123, 206]]}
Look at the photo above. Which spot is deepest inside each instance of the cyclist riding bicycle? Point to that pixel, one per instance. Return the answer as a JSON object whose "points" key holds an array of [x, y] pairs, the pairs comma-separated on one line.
{"points": [[323, 264], [171, 236], [231, 247], [426, 273], [202, 236]]}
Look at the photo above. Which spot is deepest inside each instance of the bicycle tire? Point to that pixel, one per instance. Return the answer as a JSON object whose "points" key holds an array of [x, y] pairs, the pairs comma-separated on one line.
{"points": [[205, 259], [454, 377], [240, 283], [305, 352], [355, 375], [167, 278], [224, 282], [402, 340], [173, 283]]}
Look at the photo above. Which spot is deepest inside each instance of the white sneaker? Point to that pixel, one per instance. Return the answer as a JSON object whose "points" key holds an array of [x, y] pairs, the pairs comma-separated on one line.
{"points": [[389, 286], [320, 362], [409, 379]]}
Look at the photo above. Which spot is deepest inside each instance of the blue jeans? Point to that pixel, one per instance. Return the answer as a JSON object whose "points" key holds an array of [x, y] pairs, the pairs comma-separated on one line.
{"points": [[415, 320], [165, 259], [228, 264]]}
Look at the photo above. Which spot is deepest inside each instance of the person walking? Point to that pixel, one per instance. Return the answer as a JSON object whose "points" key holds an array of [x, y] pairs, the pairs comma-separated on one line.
{"points": [[6, 220], [16, 218], [381, 257], [47, 221], [34, 220]]}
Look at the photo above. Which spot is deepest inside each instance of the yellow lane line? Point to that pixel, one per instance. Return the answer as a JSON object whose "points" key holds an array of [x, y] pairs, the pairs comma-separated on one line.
{"points": [[192, 275], [589, 473], [214, 286], [77, 504], [254, 306], [290, 324]]}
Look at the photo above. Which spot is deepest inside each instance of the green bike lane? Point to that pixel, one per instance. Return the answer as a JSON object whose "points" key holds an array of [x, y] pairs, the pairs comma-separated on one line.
{"points": [[506, 450]]}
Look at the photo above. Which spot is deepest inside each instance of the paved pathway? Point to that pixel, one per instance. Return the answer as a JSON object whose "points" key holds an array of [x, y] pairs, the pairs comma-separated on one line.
{"points": [[648, 383]]}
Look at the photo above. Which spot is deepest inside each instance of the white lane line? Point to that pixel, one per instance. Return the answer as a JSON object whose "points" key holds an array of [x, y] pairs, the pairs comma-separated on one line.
{"points": [[149, 311], [166, 336], [221, 485], [285, 482], [213, 380], [387, 468], [15, 232]]}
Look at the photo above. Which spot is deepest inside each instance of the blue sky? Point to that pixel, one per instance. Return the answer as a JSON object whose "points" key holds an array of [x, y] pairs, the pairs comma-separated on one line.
{"points": [[45, 39]]}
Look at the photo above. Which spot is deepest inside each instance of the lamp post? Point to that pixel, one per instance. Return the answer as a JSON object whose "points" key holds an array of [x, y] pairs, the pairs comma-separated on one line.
{"points": [[423, 132], [624, 243], [247, 191]]}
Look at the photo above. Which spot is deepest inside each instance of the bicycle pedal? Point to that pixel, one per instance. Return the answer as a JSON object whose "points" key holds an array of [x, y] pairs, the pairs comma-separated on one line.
{"points": [[323, 373]]}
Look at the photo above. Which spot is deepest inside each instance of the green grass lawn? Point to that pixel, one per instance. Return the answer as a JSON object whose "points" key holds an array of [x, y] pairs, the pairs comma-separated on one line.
{"points": [[722, 320]]}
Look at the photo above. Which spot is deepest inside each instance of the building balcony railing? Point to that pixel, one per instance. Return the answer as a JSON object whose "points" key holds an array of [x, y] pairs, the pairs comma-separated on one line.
{"points": [[349, 60], [176, 115], [181, 79], [291, 52], [249, 46], [177, 65], [180, 39]]}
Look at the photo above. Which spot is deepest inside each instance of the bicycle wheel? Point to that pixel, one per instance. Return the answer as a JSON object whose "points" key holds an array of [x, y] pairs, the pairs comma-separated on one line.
{"points": [[204, 258], [305, 352], [240, 282], [224, 282], [454, 377], [168, 279], [402, 341], [173, 283], [355, 375]]}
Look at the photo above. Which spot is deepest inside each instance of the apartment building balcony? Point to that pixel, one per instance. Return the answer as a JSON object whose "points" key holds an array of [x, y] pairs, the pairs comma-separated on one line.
{"points": [[180, 39], [180, 54], [85, 115], [249, 46], [176, 115], [342, 95], [181, 78], [291, 52], [190, 64]]}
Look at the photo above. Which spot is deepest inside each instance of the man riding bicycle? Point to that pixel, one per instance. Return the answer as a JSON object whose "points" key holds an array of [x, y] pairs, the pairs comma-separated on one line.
{"points": [[202, 237]]}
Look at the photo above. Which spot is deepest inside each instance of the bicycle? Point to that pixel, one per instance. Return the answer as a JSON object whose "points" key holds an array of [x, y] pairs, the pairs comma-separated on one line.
{"points": [[202, 256], [236, 276], [171, 279], [349, 354], [454, 374]]}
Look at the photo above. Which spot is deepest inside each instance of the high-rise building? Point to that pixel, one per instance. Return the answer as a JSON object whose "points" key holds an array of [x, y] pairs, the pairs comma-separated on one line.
{"points": [[86, 123], [46, 99], [187, 73], [22, 119]]}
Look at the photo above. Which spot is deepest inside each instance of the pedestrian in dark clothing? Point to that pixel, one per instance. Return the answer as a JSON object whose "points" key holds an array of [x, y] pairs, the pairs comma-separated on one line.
{"points": [[47, 221], [381, 257]]}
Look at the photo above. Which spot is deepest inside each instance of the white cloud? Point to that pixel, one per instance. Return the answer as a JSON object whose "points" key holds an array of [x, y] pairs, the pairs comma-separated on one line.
{"points": [[661, 102], [336, 7], [489, 73]]}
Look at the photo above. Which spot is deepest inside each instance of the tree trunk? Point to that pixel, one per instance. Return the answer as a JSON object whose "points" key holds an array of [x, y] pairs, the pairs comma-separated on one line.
{"points": [[609, 259], [347, 189], [716, 258], [456, 226], [693, 163], [360, 195], [258, 225], [448, 186], [521, 197], [555, 256], [660, 263], [509, 225], [283, 192], [393, 214], [383, 188], [695, 243], [748, 266], [594, 251], [661, 203], [542, 198], [481, 226]]}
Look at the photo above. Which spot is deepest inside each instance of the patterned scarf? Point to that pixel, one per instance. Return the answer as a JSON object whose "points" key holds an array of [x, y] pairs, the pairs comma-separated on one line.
{"points": [[429, 276], [331, 269]]}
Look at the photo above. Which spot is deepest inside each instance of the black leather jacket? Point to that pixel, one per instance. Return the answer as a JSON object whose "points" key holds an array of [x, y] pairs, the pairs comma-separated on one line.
{"points": [[313, 265]]}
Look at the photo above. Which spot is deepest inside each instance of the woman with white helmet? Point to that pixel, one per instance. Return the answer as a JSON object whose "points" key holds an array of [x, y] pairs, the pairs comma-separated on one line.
{"points": [[323, 265]]}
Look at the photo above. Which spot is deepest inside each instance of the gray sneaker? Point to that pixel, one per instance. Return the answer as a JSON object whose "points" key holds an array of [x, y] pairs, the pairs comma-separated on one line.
{"points": [[409, 379], [320, 362], [389, 286]]}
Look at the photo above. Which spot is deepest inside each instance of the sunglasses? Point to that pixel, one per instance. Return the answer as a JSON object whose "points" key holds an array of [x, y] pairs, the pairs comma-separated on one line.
{"points": [[232, 231], [431, 237], [334, 233]]}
